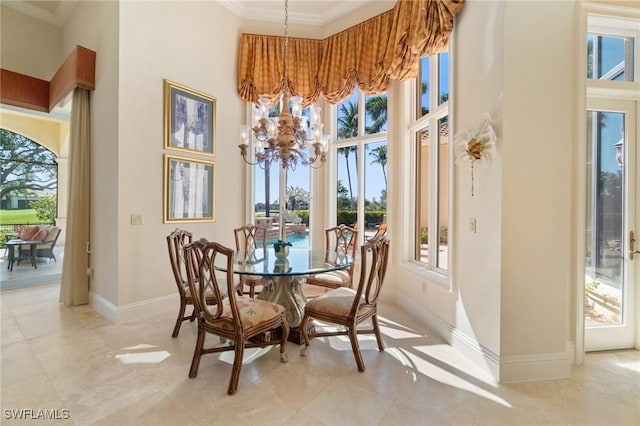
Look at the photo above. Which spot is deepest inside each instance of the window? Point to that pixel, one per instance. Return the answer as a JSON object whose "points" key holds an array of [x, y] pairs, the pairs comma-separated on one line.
{"points": [[361, 162], [609, 57], [266, 195], [430, 131]]}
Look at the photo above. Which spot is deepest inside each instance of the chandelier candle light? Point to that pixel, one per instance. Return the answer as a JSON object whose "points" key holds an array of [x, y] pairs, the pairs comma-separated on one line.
{"points": [[288, 139]]}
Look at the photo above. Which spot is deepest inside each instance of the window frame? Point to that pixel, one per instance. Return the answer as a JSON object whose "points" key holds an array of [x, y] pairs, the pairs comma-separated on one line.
{"points": [[430, 269], [360, 142], [250, 175]]}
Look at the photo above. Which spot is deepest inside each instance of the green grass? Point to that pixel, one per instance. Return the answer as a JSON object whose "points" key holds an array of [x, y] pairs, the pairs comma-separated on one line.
{"points": [[18, 216]]}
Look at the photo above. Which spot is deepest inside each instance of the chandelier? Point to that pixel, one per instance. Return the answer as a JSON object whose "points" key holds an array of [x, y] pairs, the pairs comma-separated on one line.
{"points": [[290, 138]]}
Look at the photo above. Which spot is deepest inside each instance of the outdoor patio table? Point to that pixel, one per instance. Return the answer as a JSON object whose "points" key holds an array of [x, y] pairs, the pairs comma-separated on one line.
{"points": [[11, 246], [282, 278]]}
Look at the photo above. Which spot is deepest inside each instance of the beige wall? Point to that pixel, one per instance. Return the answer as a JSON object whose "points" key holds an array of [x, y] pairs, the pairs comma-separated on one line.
{"points": [[468, 312], [28, 45], [94, 25], [539, 133], [139, 44], [193, 44], [512, 278]]}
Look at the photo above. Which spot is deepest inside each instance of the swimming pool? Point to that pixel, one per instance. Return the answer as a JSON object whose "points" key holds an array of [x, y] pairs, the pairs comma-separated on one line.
{"points": [[296, 240]]}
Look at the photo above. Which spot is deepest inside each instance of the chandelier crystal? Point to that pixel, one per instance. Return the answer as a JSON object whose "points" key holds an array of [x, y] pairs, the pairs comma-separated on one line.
{"points": [[289, 138]]}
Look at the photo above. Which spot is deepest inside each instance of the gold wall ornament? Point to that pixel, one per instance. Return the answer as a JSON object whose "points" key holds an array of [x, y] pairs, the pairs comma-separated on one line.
{"points": [[476, 146]]}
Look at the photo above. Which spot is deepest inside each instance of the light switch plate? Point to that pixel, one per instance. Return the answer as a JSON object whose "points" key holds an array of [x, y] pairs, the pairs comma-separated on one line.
{"points": [[136, 219]]}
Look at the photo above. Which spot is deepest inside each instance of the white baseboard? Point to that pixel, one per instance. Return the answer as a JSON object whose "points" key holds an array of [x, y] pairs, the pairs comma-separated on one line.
{"points": [[134, 311], [487, 360], [506, 369], [527, 368]]}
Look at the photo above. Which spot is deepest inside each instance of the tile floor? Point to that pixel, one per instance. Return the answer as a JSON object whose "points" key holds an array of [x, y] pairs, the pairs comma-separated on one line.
{"points": [[73, 359]]}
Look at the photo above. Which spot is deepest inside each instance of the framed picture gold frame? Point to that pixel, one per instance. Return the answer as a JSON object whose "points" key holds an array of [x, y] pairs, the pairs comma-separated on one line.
{"points": [[189, 119], [189, 190]]}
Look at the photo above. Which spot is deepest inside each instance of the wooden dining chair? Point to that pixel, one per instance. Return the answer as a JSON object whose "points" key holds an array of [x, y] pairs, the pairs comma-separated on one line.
{"points": [[239, 319], [339, 239], [249, 238], [176, 242], [346, 307]]}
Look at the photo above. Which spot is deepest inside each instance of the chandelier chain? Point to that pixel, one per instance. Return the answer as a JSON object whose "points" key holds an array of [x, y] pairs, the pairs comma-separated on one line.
{"points": [[286, 47]]}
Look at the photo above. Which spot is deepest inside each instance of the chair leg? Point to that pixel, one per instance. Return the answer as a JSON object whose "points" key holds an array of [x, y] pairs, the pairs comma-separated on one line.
{"points": [[303, 330], [283, 342], [176, 329], [237, 366], [353, 336], [197, 353], [376, 329]]}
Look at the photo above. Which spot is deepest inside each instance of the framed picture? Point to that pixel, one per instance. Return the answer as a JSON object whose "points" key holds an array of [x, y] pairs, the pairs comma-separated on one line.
{"points": [[189, 119], [189, 190]]}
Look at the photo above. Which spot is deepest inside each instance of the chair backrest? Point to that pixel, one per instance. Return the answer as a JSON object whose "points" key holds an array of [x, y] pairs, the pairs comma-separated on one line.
{"points": [[249, 238], [205, 280], [381, 231], [176, 242], [52, 236], [374, 257], [342, 239], [50, 240]]}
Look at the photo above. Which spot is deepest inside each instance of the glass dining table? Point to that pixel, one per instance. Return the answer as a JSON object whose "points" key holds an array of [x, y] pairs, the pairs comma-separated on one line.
{"points": [[282, 278]]}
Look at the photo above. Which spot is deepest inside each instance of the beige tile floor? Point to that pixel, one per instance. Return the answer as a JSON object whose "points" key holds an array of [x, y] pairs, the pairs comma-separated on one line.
{"points": [[73, 359]]}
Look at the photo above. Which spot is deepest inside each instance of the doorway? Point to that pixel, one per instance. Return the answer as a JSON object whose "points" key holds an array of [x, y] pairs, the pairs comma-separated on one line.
{"points": [[611, 269]]}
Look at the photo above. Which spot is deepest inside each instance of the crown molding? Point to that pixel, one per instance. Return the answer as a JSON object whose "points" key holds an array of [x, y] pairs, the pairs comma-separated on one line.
{"points": [[270, 14]]}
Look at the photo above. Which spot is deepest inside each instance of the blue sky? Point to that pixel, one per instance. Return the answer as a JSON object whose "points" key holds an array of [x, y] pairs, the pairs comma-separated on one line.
{"points": [[301, 176], [611, 54]]}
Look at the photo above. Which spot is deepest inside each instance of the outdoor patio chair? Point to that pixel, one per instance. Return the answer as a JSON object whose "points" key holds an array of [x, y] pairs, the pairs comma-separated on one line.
{"points": [[46, 248]]}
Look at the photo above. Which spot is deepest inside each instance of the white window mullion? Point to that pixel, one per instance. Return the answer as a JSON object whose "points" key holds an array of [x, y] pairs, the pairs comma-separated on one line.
{"points": [[434, 157]]}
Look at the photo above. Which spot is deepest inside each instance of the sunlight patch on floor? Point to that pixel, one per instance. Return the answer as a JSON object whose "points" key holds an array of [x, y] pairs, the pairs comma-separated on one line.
{"points": [[443, 376], [145, 357]]}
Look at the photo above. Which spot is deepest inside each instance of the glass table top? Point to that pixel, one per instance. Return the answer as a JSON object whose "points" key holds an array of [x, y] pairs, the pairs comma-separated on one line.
{"points": [[301, 261]]}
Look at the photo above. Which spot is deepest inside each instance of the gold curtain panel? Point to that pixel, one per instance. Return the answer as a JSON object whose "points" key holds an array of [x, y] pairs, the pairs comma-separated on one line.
{"points": [[387, 46]]}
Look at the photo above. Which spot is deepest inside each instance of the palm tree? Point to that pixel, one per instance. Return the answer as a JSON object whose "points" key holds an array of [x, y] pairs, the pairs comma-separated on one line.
{"points": [[424, 86], [348, 128], [348, 120], [376, 108], [379, 155], [273, 112], [346, 151]]}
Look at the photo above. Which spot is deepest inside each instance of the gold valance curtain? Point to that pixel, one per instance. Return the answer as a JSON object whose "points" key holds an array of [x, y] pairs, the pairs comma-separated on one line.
{"points": [[387, 46]]}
